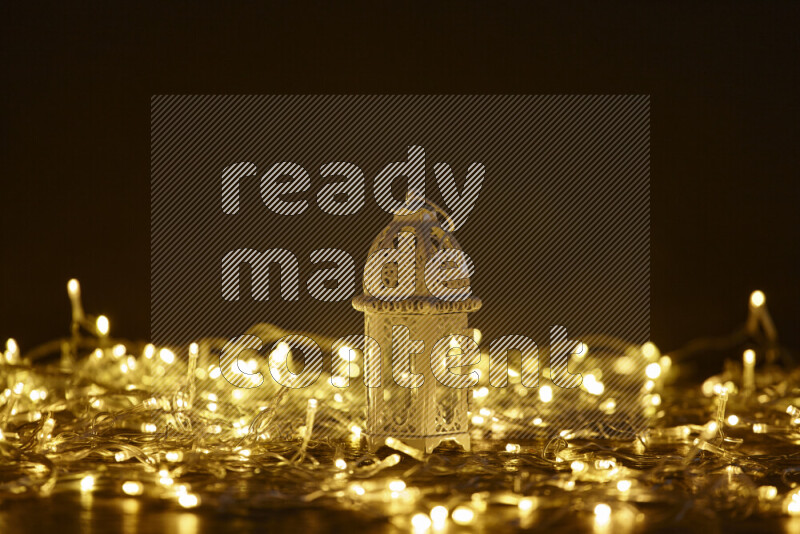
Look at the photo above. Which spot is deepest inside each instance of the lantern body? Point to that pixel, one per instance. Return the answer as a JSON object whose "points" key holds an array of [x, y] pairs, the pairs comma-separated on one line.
{"points": [[427, 415]]}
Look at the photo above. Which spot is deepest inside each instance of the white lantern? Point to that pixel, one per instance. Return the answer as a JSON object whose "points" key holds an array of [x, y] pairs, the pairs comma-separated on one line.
{"points": [[425, 416]]}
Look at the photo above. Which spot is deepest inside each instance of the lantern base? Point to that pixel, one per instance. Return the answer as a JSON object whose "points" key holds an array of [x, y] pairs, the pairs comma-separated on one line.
{"points": [[423, 443]]}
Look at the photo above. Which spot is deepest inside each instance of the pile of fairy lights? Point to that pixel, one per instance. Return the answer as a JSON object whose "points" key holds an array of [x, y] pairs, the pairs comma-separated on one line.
{"points": [[111, 417]]}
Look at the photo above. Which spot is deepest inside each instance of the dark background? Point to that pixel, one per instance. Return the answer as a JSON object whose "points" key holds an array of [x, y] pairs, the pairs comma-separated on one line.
{"points": [[724, 128]]}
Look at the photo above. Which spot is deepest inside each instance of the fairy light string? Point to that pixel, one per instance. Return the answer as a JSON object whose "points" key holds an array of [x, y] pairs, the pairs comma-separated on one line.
{"points": [[83, 414]]}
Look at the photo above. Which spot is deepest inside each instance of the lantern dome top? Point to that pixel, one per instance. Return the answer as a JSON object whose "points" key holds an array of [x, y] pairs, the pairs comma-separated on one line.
{"points": [[430, 236]]}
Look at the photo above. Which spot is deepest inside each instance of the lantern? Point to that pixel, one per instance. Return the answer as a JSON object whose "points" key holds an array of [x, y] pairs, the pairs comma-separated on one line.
{"points": [[423, 416]]}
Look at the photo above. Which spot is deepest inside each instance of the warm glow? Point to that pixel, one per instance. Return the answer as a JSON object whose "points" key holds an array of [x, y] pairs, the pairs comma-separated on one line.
{"points": [[653, 371], [749, 357], [439, 514], [397, 485], [132, 488], [592, 385], [577, 466], [477, 335], [757, 298], [420, 522], [649, 350], [347, 354], [188, 500], [624, 485], [602, 513], [87, 483], [733, 420], [73, 287], [103, 325], [166, 355], [463, 515], [545, 393]]}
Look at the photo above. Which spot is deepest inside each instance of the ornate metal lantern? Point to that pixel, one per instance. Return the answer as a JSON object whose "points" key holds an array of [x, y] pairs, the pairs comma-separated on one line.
{"points": [[424, 416]]}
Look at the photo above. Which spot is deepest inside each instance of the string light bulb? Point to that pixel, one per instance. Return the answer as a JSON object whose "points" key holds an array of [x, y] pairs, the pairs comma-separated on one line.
{"points": [[103, 325]]}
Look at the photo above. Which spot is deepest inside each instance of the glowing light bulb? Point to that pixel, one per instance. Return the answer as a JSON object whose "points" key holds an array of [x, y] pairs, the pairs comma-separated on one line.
{"points": [[526, 505], [189, 500], [347, 354], [132, 487], [356, 430], [463, 515], [103, 325], [87, 483], [174, 456], [438, 515], [624, 485], [757, 298], [602, 513], [397, 485], [649, 350], [166, 355], [577, 466], [340, 464], [73, 287], [480, 393], [420, 522], [545, 393], [513, 448], [477, 335], [733, 420], [653, 371]]}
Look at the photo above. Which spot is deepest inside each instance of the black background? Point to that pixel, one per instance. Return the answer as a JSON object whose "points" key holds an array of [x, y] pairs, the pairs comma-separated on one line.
{"points": [[724, 128]]}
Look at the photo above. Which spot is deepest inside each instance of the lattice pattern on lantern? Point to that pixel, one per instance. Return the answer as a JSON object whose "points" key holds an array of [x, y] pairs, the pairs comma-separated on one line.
{"points": [[427, 415]]}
